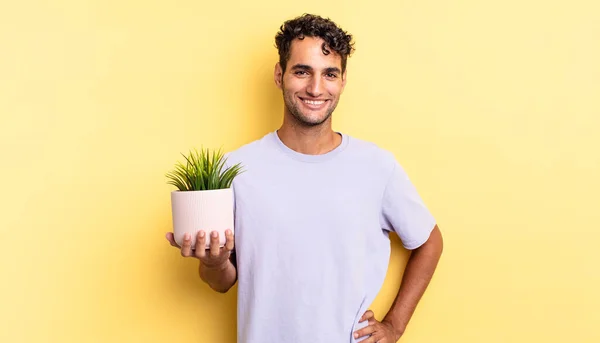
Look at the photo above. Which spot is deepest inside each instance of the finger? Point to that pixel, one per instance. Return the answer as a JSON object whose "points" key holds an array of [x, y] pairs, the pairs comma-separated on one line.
{"points": [[215, 250], [367, 330], [201, 244], [374, 339], [186, 247], [171, 239], [229, 241], [367, 315]]}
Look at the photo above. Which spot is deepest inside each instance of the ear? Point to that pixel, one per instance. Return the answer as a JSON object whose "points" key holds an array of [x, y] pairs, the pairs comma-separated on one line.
{"points": [[344, 79], [278, 75]]}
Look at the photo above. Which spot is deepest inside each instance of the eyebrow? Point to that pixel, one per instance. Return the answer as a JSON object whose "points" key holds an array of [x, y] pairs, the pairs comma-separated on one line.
{"points": [[309, 68]]}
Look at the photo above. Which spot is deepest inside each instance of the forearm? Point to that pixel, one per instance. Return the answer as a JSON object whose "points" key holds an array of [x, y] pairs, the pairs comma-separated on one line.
{"points": [[418, 273], [220, 278]]}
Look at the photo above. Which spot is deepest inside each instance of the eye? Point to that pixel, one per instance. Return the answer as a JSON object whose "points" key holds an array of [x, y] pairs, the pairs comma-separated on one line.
{"points": [[331, 75], [300, 72]]}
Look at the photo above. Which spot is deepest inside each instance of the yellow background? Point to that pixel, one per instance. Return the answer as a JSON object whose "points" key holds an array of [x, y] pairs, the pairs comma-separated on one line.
{"points": [[491, 106]]}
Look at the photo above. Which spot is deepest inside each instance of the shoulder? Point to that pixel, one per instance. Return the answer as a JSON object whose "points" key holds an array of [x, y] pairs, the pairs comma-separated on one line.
{"points": [[372, 154], [249, 151]]}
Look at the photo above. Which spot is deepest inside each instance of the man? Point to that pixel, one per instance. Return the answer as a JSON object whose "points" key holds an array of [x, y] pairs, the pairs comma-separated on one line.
{"points": [[313, 211]]}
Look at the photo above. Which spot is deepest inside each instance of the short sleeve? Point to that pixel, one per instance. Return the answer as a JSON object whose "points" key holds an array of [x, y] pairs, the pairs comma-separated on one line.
{"points": [[404, 212]]}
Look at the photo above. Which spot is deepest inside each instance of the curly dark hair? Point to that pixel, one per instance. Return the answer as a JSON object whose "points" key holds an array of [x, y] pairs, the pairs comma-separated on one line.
{"points": [[310, 25]]}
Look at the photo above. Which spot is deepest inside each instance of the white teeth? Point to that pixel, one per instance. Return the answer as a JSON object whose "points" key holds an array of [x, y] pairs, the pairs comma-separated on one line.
{"points": [[314, 102]]}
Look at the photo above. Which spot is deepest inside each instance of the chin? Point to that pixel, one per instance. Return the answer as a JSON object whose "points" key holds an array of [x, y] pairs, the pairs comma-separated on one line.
{"points": [[312, 121], [309, 119]]}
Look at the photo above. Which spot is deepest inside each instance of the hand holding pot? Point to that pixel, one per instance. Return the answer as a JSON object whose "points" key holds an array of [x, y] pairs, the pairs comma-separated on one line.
{"points": [[211, 257]]}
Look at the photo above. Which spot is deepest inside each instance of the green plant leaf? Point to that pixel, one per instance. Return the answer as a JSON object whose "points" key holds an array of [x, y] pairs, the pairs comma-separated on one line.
{"points": [[203, 170]]}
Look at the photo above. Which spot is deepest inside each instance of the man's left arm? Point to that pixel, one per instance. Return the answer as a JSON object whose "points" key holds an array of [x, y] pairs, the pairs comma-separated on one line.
{"points": [[417, 275]]}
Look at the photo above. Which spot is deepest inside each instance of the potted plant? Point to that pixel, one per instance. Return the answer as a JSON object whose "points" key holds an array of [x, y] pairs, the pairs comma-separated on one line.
{"points": [[204, 197]]}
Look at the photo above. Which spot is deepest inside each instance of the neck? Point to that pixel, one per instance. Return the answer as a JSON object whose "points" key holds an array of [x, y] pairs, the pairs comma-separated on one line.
{"points": [[309, 140]]}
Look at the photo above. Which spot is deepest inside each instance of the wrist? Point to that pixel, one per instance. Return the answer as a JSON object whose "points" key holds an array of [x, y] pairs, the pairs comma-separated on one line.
{"points": [[219, 267], [396, 328]]}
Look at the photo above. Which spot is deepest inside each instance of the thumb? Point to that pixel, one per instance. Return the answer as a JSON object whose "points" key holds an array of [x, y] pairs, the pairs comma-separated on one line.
{"points": [[169, 236]]}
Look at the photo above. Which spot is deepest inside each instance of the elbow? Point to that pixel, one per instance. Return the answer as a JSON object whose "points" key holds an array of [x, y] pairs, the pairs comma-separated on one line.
{"points": [[221, 289]]}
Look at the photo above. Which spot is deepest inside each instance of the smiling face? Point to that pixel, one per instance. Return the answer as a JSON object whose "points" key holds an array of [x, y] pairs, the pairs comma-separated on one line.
{"points": [[312, 82]]}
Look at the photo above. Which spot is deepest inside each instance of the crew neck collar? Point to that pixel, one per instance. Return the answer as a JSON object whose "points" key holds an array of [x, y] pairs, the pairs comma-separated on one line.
{"points": [[311, 158]]}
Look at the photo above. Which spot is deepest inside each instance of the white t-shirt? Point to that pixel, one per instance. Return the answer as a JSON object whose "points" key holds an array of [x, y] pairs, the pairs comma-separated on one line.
{"points": [[311, 237]]}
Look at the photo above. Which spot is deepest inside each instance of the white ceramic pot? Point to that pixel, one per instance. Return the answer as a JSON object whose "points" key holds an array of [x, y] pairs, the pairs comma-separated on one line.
{"points": [[208, 210]]}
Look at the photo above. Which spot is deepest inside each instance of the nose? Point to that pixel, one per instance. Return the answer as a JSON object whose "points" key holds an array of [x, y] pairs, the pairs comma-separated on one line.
{"points": [[315, 87]]}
